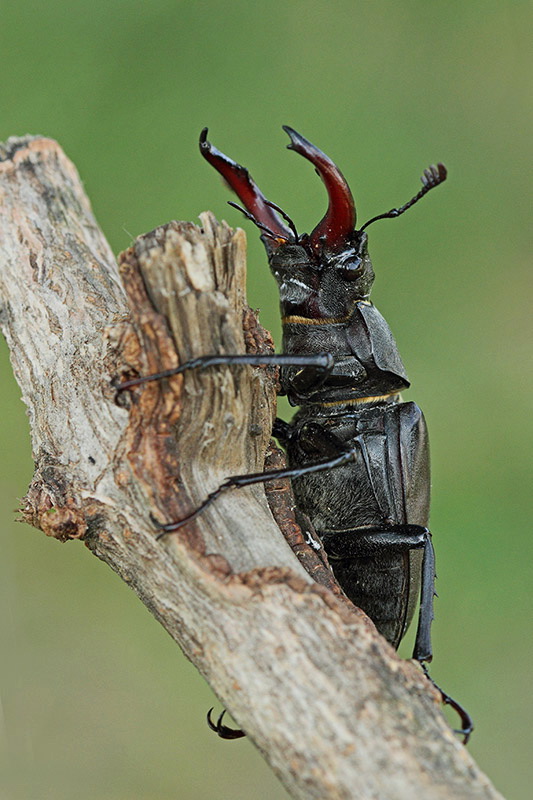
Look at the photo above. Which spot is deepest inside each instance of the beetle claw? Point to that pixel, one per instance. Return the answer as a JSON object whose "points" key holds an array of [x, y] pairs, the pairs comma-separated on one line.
{"points": [[224, 731], [467, 724]]}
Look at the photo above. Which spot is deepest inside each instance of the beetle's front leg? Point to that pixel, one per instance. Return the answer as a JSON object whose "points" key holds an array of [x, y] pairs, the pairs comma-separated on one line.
{"points": [[322, 362]]}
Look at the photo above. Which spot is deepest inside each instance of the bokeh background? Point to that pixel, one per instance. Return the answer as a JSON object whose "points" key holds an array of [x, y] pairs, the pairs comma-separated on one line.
{"points": [[97, 703]]}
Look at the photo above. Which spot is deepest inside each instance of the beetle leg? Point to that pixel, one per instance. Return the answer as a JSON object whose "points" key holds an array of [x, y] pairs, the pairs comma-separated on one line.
{"points": [[398, 538], [369, 542], [322, 362], [224, 731], [237, 481], [467, 723], [422, 650], [390, 539], [301, 385]]}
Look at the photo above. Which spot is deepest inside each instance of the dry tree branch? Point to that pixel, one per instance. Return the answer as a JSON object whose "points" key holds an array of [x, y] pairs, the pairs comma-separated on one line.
{"points": [[327, 701]]}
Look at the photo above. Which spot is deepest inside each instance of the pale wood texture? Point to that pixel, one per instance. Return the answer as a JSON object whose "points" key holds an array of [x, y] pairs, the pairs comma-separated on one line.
{"points": [[330, 705]]}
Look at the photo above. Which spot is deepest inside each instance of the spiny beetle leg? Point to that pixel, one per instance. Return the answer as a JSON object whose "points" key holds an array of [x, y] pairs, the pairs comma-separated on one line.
{"points": [[224, 731]]}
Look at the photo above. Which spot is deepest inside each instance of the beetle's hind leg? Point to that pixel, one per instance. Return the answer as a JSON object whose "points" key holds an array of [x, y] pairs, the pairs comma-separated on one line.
{"points": [[387, 540], [467, 723]]}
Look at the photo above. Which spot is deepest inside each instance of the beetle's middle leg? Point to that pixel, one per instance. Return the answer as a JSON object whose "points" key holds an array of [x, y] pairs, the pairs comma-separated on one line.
{"points": [[238, 481]]}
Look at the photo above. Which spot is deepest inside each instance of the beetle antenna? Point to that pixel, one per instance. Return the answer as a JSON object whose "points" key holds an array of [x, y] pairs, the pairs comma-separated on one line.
{"points": [[431, 178], [285, 216], [260, 225]]}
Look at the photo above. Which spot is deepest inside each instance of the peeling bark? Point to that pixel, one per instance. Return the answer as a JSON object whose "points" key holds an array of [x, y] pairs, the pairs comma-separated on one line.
{"points": [[327, 701]]}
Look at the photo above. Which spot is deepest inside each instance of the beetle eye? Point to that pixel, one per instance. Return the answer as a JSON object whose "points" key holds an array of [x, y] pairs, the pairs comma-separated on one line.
{"points": [[351, 270]]}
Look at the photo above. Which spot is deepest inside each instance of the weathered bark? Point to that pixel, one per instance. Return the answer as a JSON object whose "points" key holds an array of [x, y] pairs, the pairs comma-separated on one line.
{"points": [[327, 701]]}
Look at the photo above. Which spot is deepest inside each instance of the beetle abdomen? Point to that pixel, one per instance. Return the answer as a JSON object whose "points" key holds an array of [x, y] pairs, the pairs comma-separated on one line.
{"points": [[385, 587]]}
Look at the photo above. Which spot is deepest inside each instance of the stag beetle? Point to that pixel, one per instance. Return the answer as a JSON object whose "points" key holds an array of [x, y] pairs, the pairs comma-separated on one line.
{"points": [[358, 454]]}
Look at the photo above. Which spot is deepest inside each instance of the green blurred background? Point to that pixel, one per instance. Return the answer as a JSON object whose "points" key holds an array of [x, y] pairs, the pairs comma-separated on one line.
{"points": [[97, 702]]}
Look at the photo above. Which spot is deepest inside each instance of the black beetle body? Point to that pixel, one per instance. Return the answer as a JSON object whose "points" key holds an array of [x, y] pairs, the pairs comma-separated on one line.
{"points": [[371, 513], [358, 455], [382, 492]]}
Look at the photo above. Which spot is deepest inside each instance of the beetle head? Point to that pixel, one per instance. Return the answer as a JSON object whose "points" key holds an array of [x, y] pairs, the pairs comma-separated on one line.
{"points": [[325, 285], [320, 275]]}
